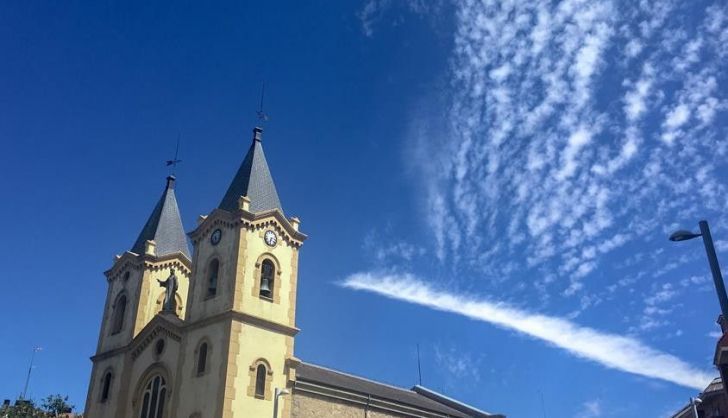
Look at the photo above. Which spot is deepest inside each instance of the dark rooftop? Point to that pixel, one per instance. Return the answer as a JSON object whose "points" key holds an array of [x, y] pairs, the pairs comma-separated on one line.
{"points": [[164, 226], [327, 377], [253, 180]]}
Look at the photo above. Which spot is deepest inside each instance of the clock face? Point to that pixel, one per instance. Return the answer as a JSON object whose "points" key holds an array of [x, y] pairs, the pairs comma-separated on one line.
{"points": [[270, 238], [215, 237]]}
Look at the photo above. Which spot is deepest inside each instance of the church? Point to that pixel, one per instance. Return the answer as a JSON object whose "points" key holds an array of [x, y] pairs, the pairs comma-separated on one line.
{"points": [[209, 332]]}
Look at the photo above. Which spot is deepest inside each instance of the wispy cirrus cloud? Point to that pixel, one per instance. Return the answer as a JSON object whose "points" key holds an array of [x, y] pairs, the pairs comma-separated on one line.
{"points": [[575, 128], [590, 409], [610, 350], [460, 365]]}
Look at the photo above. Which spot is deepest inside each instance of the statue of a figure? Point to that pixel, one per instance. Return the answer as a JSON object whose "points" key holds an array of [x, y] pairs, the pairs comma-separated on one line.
{"points": [[170, 303]]}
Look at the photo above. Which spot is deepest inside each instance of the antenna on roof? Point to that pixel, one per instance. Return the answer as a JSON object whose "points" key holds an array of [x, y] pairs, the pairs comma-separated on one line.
{"points": [[173, 162], [262, 117], [30, 369], [419, 368], [543, 404]]}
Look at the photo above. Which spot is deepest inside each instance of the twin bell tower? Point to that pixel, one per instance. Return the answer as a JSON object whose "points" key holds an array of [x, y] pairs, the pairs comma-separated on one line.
{"points": [[206, 332]]}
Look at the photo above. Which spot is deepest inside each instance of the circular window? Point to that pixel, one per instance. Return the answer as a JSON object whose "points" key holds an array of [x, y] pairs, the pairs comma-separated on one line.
{"points": [[159, 347]]}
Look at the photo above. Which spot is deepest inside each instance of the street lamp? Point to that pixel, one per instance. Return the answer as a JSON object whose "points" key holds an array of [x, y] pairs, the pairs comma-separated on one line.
{"points": [[279, 393], [694, 402], [683, 235]]}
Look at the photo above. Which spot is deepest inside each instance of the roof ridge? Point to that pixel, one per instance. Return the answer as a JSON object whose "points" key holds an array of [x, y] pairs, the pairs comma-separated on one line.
{"points": [[434, 395], [360, 377]]}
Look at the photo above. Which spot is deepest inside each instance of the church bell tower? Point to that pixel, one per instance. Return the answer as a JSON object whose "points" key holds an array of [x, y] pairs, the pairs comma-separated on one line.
{"points": [[134, 297], [244, 286], [209, 334]]}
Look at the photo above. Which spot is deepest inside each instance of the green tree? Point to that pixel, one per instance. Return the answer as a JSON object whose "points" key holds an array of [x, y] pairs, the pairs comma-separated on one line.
{"points": [[24, 409], [52, 406], [55, 405]]}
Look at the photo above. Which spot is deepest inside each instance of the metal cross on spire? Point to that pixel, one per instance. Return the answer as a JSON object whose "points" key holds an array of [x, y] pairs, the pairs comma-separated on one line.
{"points": [[173, 162], [262, 117]]}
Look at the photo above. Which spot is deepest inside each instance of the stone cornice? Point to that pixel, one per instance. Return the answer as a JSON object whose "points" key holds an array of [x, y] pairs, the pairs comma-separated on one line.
{"points": [[264, 323], [137, 261], [157, 326], [121, 262], [178, 260], [249, 220], [150, 333], [162, 325]]}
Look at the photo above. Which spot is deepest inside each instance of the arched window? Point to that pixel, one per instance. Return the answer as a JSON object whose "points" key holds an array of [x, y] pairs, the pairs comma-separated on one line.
{"points": [[106, 387], [117, 320], [267, 274], [260, 381], [202, 359], [153, 398], [212, 273]]}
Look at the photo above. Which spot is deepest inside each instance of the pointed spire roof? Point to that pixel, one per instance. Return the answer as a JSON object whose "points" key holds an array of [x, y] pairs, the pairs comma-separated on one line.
{"points": [[164, 226], [253, 180]]}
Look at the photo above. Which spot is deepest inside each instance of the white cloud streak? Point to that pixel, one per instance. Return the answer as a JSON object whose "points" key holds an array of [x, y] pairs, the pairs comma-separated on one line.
{"points": [[610, 350]]}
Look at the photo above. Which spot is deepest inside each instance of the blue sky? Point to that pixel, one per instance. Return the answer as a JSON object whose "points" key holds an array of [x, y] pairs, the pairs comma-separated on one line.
{"points": [[492, 180]]}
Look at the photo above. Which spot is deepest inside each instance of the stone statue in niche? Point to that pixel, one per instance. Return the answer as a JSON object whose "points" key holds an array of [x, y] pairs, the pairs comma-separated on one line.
{"points": [[170, 285]]}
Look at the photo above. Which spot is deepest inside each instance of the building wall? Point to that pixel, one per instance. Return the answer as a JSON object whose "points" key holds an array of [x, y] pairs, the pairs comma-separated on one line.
{"points": [[202, 393], [309, 405], [109, 408], [252, 251], [119, 283], [249, 346], [200, 305]]}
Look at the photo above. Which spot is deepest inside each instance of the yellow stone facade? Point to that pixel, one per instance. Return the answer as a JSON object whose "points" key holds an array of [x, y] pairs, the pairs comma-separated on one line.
{"points": [[241, 328]]}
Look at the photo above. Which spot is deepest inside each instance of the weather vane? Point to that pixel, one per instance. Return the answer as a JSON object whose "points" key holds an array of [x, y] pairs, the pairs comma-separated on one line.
{"points": [[262, 117], [173, 162]]}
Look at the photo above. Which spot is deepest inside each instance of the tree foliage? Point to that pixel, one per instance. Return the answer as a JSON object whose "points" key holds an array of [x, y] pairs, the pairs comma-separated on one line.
{"points": [[52, 406]]}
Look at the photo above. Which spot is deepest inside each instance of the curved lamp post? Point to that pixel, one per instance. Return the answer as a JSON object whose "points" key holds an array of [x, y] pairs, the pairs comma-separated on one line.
{"points": [[683, 235], [694, 402], [278, 394]]}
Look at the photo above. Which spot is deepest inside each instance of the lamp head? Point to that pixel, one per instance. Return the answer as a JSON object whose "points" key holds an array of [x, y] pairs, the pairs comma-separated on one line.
{"points": [[683, 235]]}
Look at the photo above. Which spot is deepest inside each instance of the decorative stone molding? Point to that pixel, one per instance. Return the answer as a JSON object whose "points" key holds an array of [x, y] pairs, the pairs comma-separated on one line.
{"points": [[244, 203], [295, 222], [276, 278], [150, 248], [157, 331], [253, 374], [251, 221]]}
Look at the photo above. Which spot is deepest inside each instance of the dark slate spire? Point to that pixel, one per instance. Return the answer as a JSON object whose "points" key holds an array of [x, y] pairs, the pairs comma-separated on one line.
{"points": [[164, 226], [253, 180]]}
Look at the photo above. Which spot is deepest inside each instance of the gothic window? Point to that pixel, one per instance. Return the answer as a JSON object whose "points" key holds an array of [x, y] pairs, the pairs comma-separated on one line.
{"points": [[106, 387], [267, 274], [212, 273], [260, 381], [117, 320], [153, 398], [202, 359]]}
